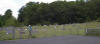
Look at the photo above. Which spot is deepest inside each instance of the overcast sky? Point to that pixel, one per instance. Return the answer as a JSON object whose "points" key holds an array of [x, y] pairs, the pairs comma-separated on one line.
{"points": [[15, 5]]}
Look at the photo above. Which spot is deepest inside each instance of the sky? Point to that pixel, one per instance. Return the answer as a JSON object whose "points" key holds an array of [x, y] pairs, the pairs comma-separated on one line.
{"points": [[15, 5]]}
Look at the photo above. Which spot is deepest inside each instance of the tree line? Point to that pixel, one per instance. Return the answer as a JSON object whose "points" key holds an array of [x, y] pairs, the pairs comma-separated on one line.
{"points": [[59, 12]]}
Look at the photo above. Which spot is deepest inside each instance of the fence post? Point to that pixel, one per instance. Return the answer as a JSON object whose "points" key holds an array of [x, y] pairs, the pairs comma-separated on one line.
{"points": [[86, 29], [77, 31], [55, 27], [70, 31], [63, 27], [13, 34]]}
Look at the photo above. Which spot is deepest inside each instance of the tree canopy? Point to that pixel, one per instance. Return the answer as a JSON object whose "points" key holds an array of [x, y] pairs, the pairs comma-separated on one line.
{"points": [[60, 12], [7, 19]]}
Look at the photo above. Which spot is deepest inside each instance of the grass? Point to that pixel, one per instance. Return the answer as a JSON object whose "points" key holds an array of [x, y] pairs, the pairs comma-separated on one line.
{"points": [[3, 36], [51, 31]]}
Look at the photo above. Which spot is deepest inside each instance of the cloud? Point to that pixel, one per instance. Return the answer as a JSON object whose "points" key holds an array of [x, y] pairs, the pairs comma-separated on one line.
{"points": [[14, 5], [8, 4]]}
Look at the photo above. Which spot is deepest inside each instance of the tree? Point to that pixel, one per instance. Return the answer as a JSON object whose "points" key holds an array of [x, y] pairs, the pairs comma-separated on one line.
{"points": [[1, 21], [8, 19], [8, 14], [11, 22], [60, 12], [28, 13]]}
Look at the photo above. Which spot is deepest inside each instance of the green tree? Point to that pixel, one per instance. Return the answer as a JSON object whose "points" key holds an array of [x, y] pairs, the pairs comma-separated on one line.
{"points": [[8, 14], [11, 22], [8, 19], [1, 21], [60, 12]]}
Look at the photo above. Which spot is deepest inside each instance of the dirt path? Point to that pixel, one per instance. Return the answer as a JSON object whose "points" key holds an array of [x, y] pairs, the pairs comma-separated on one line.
{"points": [[71, 39]]}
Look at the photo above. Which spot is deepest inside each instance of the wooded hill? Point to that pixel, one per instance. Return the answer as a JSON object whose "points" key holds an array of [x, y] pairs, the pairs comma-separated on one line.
{"points": [[58, 12]]}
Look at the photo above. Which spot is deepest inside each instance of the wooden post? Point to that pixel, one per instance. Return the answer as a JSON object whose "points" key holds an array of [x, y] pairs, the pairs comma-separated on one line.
{"points": [[71, 31], [86, 29], [55, 27], [77, 31], [63, 27], [13, 32]]}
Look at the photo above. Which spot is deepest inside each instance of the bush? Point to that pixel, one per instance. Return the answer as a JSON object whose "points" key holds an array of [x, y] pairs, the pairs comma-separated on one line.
{"points": [[33, 36], [93, 32], [98, 20]]}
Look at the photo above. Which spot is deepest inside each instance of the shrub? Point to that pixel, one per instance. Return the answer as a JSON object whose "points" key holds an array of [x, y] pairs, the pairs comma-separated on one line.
{"points": [[93, 32]]}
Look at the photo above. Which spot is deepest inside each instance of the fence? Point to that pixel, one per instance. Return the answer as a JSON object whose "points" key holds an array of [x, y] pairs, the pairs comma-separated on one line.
{"points": [[9, 33]]}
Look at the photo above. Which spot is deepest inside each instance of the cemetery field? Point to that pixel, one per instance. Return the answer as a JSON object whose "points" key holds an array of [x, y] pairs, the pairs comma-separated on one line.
{"points": [[48, 31]]}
